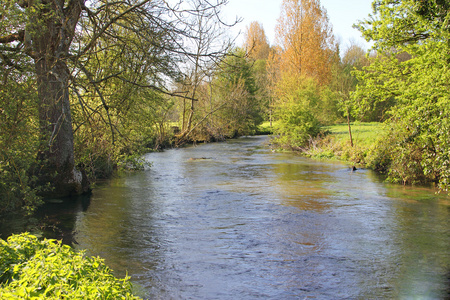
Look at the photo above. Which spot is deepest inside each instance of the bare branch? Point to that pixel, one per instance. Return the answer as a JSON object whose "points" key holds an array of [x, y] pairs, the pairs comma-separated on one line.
{"points": [[109, 24], [97, 90], [154, 87], [14, 37], [182, 136]]}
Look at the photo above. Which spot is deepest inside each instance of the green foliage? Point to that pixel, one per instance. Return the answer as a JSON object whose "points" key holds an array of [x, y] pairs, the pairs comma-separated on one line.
{"points": [[19, 126], [412, 72], [344, 81], [378, 87], [302, 107], [234, 99], [266, 128], [296, 126], [18, 143], [33, 269], [235, 69], [142, 125]]}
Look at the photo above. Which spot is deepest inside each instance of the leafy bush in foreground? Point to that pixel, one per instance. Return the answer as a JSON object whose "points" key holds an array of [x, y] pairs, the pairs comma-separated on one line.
{"points": [[34, 269]]}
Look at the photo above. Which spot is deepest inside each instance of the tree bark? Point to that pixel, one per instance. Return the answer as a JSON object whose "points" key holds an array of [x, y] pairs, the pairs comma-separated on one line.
{"points": [[51, 45], [56, 132]]}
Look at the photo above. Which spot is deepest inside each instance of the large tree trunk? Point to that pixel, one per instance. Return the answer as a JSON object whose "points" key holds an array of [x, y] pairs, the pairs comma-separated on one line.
{"points": [[56, 131], [51, 44]]}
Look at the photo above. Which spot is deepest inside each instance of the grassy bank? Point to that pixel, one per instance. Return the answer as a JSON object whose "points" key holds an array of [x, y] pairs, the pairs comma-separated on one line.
{"points": [[364, 134], [336, 143]]}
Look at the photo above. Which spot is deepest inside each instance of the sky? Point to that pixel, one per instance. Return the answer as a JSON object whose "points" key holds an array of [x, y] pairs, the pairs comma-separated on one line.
{"points": [[342, 14]]}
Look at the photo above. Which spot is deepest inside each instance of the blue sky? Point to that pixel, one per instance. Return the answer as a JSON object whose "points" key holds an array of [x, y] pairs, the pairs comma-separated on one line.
{"points": [[342, 13]]}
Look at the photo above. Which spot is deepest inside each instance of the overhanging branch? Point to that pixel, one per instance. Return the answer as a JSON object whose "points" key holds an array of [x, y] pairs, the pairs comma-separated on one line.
{"points": [[97, 90], [13, 37], [151, 86]]}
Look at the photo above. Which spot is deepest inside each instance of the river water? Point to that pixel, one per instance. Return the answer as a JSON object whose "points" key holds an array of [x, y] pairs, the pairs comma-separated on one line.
{"points": [[234, 220]]}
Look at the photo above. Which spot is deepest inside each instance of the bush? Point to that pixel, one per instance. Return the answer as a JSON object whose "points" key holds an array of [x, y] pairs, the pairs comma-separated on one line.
{"points": [[19, 145], [33, 269], [303, 106], [296, 127]]}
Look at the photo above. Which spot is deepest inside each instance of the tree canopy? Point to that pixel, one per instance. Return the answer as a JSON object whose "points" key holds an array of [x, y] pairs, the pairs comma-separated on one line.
{"points": [[256, 41], [306, 39], [417, 85]]}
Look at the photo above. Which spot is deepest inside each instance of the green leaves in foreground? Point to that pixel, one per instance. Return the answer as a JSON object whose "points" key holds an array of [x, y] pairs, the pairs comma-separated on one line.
{"points": [[34, 269]]}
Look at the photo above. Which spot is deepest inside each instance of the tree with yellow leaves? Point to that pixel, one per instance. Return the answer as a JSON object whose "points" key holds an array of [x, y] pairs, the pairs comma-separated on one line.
{"points": [[256, 41], [306, 38]]}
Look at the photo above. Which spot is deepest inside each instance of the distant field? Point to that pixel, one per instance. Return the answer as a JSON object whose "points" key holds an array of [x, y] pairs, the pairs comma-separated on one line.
{"points": [[363, 133]]}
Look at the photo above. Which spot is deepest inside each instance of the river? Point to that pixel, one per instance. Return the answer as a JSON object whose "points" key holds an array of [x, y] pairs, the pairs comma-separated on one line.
{"points": [[234, 220]]}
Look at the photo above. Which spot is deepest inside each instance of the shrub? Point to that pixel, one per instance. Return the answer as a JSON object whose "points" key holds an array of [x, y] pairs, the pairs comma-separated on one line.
{"points": [[19, 144], [34, 269], [295, 126]]}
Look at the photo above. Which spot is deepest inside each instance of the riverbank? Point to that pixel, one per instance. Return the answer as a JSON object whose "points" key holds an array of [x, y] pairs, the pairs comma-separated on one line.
{"points": [[335, 143]]}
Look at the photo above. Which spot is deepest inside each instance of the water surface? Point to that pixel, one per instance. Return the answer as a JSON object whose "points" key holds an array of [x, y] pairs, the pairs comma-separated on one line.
{"points": [[234, 220]]}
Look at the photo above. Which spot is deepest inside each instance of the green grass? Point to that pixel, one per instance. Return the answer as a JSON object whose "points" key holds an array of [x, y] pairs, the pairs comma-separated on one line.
{"points": [[364, 134], [336, 145]]}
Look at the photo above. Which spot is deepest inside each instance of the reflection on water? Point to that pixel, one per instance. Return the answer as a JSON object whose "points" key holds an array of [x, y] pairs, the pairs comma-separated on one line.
{"points": [[55, 219], [248, 223]]}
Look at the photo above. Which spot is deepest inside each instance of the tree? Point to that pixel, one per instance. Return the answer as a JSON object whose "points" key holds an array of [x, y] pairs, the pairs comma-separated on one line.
{"points": [[208, 48], [306, 39], [298, 99], [44, 30], [256, 41], [417, 148], [118, 93], [237, 89], [344, 82], [63, 39], [273, 70], [228, 105], [258, 51], [300, 70]]}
